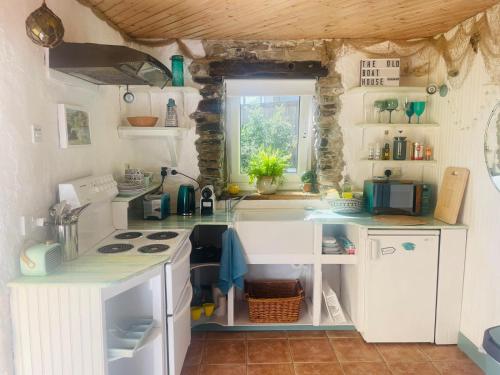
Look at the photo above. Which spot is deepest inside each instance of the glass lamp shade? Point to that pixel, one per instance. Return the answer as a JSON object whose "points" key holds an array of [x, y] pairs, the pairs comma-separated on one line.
{"points": [[44, 28]]}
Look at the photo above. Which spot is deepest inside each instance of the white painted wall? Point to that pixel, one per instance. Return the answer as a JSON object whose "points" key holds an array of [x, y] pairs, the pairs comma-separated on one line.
{"points": [[463, 116], [29, 173]]}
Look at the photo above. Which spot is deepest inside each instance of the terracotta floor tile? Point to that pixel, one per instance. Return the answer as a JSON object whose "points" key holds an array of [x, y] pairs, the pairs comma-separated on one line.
{"points": [[194, 353], [343, 334], [223, 370], [268, 351], [464, 367], [266, 335], [224, 351], [221, 335], [270, 369], [305, 334], [198, 335], [355, 350], [312, 350], [365, 368], [190, 370], [443, 352], [413, 368], [401, 353], [318, 369]]}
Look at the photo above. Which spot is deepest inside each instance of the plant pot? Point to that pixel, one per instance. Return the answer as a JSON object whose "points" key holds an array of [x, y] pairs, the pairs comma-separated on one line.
{"points": [[265, 185], [307, 187]]}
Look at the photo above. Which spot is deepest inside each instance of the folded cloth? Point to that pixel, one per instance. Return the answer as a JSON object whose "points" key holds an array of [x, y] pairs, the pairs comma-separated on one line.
{"points": [[233, 265]]}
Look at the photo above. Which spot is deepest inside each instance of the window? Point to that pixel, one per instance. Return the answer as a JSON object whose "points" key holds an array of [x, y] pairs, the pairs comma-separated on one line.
{"points": [[269, 113]]}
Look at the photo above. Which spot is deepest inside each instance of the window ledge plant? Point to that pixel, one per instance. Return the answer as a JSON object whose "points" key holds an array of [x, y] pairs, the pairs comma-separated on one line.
{"points": [[266, 168]]}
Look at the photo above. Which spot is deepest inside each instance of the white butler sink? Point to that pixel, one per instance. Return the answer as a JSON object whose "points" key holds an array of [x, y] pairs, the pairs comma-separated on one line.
{"points": [[274, 231]]}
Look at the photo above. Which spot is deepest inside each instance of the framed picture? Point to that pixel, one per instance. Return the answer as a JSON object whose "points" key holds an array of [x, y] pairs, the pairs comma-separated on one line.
{"points": [[74, 126]]}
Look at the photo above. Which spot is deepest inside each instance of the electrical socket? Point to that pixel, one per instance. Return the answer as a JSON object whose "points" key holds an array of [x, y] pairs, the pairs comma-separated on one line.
{"points": [[395, 172]]}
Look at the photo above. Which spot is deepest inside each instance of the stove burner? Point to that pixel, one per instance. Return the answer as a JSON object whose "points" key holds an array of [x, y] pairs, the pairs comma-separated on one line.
{"points": [[151, 249], [128, 235], [162, 235], [115, 248]]}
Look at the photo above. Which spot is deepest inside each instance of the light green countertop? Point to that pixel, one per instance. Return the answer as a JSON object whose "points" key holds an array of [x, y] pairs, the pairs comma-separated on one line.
{"points": [[108, 269], [95, 270]]}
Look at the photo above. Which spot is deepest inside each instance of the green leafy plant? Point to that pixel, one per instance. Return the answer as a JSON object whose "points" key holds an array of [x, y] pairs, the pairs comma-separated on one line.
{"points": [[267, 162]]}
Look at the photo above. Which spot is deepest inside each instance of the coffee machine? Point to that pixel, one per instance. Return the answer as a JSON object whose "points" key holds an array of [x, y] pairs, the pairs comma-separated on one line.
{"points": [[207, 200]]}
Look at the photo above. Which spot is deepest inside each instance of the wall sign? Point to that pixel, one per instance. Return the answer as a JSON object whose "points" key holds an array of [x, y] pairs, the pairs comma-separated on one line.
{"points": [[379, 72]]}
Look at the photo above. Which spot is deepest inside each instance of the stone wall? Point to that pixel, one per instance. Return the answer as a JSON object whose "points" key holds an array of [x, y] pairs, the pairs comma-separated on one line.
{"points": [[267, 59]]}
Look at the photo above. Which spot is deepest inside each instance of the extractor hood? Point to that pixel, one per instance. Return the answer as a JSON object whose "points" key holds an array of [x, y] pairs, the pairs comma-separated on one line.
{"points": [[104, 64]]}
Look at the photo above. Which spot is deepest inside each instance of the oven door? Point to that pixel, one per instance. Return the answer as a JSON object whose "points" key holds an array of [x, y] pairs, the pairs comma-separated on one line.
{"points": [[177, 274], [179, 332]]}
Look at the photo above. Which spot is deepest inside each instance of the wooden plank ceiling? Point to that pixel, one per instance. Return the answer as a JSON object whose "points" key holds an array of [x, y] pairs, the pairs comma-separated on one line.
{"points": [[286, 19]]}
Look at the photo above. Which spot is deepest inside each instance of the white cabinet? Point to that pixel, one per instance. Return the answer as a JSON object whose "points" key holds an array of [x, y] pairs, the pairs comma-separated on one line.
{"points": [[400, 285]]}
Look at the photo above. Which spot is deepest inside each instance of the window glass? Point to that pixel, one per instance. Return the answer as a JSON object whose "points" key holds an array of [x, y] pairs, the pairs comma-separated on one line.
{"points": [[269, 121]]}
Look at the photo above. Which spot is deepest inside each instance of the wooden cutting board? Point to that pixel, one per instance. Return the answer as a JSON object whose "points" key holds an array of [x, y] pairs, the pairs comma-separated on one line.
{"points": [[400, 220], [451, 194]]}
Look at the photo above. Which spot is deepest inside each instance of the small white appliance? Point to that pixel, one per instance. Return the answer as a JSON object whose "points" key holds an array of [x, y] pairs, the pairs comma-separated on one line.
{"points": [[171, 246]]}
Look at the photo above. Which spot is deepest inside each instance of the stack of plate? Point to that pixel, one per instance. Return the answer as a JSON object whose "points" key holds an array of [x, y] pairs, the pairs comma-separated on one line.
{"points": [[331, 246], [130, 188]]}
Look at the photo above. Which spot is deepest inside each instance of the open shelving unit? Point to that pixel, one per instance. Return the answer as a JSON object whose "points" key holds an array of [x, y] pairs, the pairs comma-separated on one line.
{"points": [[133, 132], [398, 126]]}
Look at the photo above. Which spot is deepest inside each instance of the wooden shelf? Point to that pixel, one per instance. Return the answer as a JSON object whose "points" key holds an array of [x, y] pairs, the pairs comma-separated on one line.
{"points": [[166, 89], [132, 132], [369, 125], [408, 162]]}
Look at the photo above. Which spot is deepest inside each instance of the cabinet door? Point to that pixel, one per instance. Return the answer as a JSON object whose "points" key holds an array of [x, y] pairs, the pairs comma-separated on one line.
{"points": [[400, 290]]}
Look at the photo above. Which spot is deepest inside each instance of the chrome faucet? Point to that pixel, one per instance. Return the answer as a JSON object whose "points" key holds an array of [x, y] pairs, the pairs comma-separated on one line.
{"points": [[231, 204]]}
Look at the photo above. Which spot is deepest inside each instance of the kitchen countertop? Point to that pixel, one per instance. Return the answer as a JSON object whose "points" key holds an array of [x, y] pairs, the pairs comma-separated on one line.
{"points": [[293, 214], [103, 271], [95, 270]]}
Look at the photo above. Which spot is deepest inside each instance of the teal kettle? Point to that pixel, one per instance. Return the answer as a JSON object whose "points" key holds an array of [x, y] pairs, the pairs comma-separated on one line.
{"points": [[186, 200]]}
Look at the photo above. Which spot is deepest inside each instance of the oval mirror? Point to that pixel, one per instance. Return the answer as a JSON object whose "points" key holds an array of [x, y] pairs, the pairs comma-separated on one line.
{"points": [[492, 145]]}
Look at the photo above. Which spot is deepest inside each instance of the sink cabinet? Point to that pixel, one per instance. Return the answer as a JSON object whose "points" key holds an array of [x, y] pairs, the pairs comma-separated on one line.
{"points": [[373, 295]]}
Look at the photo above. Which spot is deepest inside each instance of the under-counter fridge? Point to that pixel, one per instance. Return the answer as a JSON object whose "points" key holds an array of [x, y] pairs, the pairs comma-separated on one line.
{"points": [[400, 285]]}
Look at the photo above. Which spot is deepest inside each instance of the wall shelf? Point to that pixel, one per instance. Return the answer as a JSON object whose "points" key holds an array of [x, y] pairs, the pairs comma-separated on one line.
{"points": [[131, 132], [407, 162], [387, 89], [338, 259], [371, 125]]}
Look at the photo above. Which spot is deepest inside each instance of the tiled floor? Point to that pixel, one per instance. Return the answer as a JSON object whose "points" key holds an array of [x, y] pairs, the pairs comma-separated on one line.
{"points": [[317, 353]]}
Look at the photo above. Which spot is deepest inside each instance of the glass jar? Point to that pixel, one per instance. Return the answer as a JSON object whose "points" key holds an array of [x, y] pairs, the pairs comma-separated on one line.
{"points": [[399, 148]]}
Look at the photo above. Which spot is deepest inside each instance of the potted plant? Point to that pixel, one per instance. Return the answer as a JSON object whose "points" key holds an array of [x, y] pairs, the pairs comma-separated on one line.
{"points": [[267, 168], [309, 180]]}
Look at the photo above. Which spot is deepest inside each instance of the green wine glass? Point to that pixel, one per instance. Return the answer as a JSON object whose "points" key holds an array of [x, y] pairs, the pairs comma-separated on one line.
{"points": [[409, 110], [419, 108], [392, 105], [381, 106]]}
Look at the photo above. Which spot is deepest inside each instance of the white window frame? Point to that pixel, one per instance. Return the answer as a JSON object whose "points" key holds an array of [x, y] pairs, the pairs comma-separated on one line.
{"points": [[235, 89]]}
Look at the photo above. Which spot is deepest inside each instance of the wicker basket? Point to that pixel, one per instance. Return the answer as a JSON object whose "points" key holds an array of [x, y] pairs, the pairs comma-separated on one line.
{"points": [[274, 301]]}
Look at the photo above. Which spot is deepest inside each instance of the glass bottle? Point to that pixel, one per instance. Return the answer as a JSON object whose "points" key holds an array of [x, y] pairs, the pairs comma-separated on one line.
{"points": [[177, 70], [386, 152], [171, 117]]}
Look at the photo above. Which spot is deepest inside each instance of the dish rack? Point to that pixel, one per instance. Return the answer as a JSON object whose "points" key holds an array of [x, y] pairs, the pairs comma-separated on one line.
{"points": [[346, 205], [124, 343]]}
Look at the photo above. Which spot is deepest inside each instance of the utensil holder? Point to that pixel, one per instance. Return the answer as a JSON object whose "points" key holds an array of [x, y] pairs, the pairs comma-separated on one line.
{"points": [[67, 236]]}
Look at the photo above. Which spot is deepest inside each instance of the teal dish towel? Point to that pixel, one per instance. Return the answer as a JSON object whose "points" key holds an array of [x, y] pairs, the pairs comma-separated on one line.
{"points": [[233, 265]]}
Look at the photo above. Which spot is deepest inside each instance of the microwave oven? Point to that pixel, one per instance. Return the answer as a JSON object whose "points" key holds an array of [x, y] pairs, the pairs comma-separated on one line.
{"points": [[397, 197]]}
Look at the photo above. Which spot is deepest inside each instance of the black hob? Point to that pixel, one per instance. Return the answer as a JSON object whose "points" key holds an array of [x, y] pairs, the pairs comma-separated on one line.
{"points": [[115, 248], [162, 235], [128, 235], [151, 249]]}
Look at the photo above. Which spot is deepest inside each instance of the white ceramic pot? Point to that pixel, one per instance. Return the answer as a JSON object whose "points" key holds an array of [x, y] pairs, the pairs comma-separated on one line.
{"points": [[265, 185]]}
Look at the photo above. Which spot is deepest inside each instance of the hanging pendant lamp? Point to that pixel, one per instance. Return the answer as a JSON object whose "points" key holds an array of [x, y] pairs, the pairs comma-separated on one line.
{"points": [[44, 28]]}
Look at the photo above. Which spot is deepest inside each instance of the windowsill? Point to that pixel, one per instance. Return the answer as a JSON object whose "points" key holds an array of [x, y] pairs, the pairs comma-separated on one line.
{"points": [[278, 196]]}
